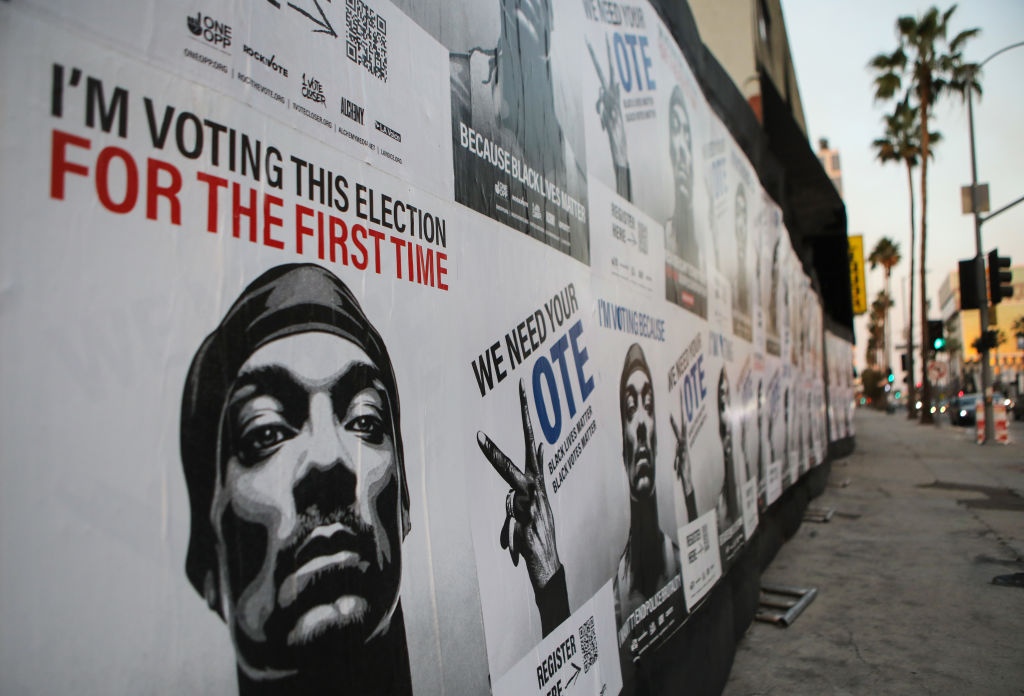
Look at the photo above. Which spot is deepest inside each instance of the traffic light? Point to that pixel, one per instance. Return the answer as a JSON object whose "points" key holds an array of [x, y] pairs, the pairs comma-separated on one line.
{"points": [[936, 339], [891, 377], [999, 280], [969, 284]]}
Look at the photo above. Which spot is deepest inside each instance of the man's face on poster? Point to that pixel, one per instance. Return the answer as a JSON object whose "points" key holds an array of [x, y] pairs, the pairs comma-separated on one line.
{"points": [[639, 440], [306, 511], [724, 425], [680, 150]]}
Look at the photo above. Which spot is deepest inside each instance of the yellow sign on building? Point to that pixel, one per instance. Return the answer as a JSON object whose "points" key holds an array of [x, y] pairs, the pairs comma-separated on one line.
{"points": [[857, 288]]}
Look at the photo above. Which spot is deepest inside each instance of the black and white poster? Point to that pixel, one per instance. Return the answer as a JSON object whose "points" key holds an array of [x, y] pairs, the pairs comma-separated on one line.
{"points": [[840, 393], [687, 209], [519, 153], [260, 493], [648, 495], [539, 436]]}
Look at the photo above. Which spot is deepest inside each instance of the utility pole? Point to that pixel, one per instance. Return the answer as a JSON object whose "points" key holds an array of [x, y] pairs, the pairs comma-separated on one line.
{"points": [[979, 260]]}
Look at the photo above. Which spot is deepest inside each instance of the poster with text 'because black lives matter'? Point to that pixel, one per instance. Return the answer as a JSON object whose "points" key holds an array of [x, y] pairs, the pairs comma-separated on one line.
{"points": [[301, 415]]}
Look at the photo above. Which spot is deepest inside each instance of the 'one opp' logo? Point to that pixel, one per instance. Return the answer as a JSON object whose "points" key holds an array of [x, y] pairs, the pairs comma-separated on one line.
{"points": [[210, 30]]}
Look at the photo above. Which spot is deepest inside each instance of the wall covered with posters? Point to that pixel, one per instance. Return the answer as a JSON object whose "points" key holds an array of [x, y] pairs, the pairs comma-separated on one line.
{"points": [[841, 388], [420, 348]]}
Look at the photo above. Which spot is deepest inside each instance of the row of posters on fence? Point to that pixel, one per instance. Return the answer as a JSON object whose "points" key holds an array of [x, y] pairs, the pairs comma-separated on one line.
{"points": [[430, 348], [841, 389]]}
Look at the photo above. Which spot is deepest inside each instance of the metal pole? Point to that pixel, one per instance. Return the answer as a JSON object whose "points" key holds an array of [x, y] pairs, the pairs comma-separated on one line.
{"points": [[986, 370], [979, 265], [1006, 207]]}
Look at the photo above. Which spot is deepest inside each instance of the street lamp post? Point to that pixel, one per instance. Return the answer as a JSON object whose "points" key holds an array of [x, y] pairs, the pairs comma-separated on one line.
{"points": [[979, 260]]}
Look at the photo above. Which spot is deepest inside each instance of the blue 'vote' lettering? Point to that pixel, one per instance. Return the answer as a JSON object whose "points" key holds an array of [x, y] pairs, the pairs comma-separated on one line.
{"points": [[544, 376], [694, 388], [629, 63]]}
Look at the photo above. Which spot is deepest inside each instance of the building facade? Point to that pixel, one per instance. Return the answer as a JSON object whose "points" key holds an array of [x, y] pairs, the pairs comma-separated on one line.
{"points": [[829, 158]]}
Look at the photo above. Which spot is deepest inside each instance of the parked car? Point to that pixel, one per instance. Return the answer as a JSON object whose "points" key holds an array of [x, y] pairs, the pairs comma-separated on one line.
{"points": [[962, 409]]}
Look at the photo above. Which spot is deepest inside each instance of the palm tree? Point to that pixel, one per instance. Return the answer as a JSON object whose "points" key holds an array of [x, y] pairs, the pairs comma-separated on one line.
{"points": [[876, 329], [886, 254], [902, 144], [1018, 326], [928, 66], [998, 339], [871, 351]]}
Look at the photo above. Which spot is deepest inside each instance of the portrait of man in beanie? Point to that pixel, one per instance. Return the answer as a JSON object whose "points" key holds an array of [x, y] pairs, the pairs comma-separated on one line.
{"points": [[685, 280], [727, 508], [292, 452], [649, 566]]}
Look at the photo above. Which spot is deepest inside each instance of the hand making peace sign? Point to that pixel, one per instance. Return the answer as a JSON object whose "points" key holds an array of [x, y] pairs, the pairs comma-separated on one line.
{"points": [[529, 527], [609, 109], [681, 463]]}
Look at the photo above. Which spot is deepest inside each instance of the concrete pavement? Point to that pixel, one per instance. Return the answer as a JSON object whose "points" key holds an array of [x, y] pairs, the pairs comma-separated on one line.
{"points": [[924, 519]]}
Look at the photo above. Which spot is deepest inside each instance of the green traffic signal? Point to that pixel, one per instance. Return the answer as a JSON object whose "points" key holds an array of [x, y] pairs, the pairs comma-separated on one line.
{"points": [[936, 334]]}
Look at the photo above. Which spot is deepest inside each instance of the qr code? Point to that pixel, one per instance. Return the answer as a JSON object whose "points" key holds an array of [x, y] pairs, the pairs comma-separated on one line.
{"points": [[707, 537], [366, 42], [588, 641]]}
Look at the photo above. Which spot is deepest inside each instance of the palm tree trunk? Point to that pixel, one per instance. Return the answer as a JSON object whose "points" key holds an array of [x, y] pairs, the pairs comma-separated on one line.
{"points": [[926, 388], [910, 322], [885, 322]]}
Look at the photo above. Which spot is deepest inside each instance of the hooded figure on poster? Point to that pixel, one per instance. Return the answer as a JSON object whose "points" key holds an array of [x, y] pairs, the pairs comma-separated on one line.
{"points": [[649, 604], [730, 528], [292, 450], [685, 284]]}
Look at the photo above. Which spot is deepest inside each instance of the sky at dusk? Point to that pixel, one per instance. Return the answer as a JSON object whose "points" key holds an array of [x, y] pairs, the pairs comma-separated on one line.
{"points": [[831, 42]]}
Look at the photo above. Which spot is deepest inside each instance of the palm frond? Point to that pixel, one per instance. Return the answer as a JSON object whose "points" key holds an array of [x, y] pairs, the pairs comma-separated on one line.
{"points": [[960, 39], [887, 85]]}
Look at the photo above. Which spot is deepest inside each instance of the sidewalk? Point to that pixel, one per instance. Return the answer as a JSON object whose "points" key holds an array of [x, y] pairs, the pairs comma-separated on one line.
{"points": [[924, 519]]}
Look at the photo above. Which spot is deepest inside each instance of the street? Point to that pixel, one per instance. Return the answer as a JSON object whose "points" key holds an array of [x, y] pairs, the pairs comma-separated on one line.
{"points": [[923, 521]]}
